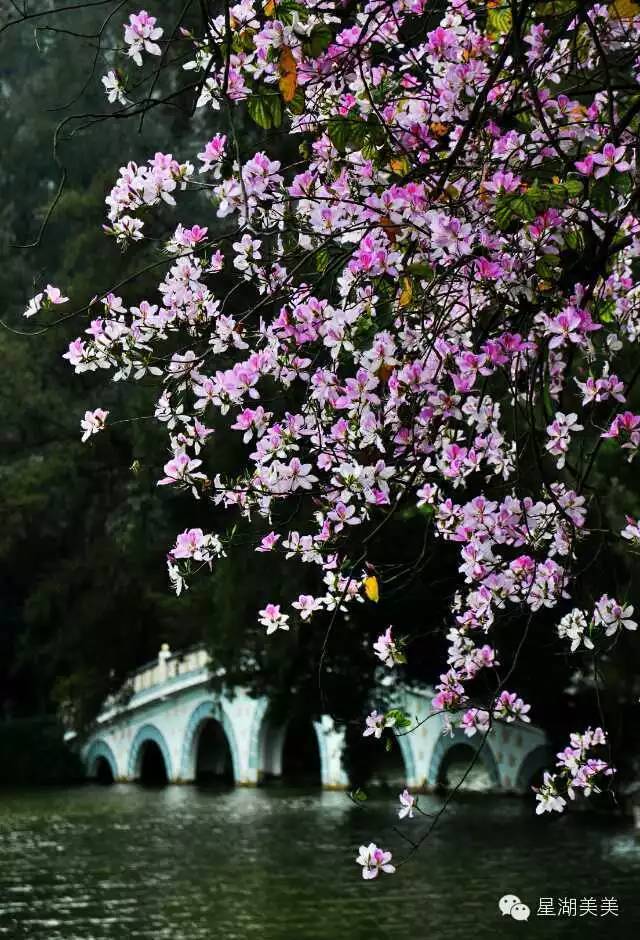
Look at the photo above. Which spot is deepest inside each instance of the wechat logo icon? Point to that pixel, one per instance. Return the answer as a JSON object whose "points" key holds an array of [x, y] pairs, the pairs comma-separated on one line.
{"points": [[511, 905]]}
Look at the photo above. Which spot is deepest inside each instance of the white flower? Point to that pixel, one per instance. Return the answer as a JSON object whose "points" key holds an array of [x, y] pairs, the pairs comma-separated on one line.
{"points": [[307, 605], [247, 251], [93, 422], [114, 88], [35, 304], [272, 619], [549, 800], [573, 626], [613, 616], [376, 723], [386, 650], [374, 860], [407, 802]]}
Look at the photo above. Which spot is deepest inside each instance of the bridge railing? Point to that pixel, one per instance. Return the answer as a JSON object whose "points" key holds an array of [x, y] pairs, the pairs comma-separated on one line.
{"points": [[169, 666]]}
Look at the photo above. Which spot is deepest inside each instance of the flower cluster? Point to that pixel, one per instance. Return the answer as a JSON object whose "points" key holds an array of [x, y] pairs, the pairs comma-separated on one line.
{"points": [[577, 771], [608, 619]]}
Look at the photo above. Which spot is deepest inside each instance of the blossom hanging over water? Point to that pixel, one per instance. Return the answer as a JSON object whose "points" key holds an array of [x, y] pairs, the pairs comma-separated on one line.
{"points": [[376, 723], [374, 860], [407, 804]]}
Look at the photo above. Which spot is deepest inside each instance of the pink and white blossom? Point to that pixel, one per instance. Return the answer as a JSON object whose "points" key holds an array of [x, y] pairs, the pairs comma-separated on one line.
{"points": [[374, 860]]}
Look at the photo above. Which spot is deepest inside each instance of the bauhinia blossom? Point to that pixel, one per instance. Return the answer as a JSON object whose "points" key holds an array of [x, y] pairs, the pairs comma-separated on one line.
{"points": [[51, 296], [374, 860], [272, 618], [140, 35], [386, 649], [407, 804], [93, 422], [376, 723]]}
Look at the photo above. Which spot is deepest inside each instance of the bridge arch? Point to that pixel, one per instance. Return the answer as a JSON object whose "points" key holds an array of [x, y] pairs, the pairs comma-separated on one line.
{"points": [[146, 733], [537, 760], [202, 713], [267, 741], [99, 751], [446, 745]]}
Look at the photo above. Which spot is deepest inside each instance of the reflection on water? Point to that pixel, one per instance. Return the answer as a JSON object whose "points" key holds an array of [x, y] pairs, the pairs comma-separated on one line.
{"points": [[189, 864]]}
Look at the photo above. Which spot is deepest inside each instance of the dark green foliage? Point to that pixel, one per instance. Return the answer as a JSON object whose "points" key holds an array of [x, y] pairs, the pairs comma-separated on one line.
{"points": [[32, 751]]}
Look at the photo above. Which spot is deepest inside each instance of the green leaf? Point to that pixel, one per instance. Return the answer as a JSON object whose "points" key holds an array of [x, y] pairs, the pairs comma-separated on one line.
{"points": [[322, 259], [347, 133], [574, 187], [265, 109], [504, 216], [524, 208], [544, 269], [420, 269], [297, 104], [402, 720], [499, 20], [369, 150], [574, 239], [358, 795], [319, 40], [602, 197], [606, 311]]}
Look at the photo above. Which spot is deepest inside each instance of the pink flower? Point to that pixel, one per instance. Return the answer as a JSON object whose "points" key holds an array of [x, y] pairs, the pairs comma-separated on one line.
{"points": [[585, 166], [374, 860], [93, 422], [475, 719], [213, 153], [386, 649], [407, 803], [54, 295], [611, 158], [182, 470], [189, 544], [268, 542], [273, 619], [307, 605], [140, 35], [50, 296], [376, 723]]}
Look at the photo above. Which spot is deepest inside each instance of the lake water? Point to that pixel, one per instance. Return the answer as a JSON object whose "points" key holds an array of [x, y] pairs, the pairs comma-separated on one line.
{"points": [[189, 864]]}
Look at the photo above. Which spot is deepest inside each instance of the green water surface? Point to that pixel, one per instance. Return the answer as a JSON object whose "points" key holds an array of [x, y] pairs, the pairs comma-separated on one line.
{"points": [[189, 864]]}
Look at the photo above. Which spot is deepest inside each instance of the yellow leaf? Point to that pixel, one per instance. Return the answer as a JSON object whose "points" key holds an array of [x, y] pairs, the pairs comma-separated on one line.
{"points": [[384, 372], [371, 588], [400, 165], [625, 9], [406, 294], [439, 129], [288, 74], [269, 8], [390, 230]]}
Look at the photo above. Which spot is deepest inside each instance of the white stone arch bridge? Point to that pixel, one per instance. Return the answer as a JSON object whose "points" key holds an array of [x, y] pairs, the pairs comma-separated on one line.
{"points": [[170, 712]]}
